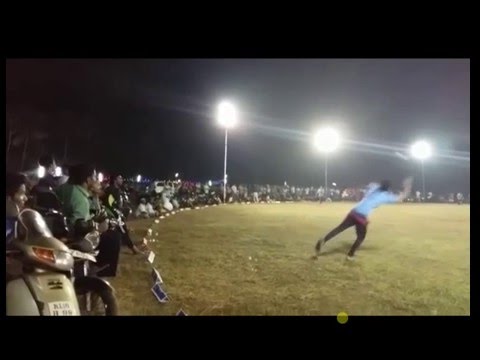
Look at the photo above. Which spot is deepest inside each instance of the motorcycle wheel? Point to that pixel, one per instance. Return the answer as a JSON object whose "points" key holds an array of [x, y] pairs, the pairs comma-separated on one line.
{"points": [[95, 298]]}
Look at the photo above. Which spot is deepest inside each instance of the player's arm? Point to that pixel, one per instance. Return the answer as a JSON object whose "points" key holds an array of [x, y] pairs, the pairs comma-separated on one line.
{"points": [[407, 188], [371, 188]]}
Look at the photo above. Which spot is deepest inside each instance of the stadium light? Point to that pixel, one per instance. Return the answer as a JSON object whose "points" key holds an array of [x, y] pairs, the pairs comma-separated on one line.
{"points": [[209, 182], [327, 140], [227, 117], [176, 175], [227, 114], [139, 178], [100, 177], [422, 151]]}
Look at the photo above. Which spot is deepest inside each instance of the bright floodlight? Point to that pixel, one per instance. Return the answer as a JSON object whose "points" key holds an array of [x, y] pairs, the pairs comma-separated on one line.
{"points": [[100, 177], [327, 140], [421, 150], [176, 175], [40, 172], [139, 178], [227, 114], [209, 182], [58, 171]]}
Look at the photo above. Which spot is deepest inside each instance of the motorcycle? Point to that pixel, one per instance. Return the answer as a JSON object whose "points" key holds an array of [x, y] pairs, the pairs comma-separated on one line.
{"points": [[96, 296], [46, 202]]}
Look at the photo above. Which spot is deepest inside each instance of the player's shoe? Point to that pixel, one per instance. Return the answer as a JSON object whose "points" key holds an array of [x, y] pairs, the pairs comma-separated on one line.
{"points": [[318, 247]]}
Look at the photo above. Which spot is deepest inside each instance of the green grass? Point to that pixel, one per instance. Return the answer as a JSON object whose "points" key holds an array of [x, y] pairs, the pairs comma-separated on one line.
{"points": [[256, 260]]}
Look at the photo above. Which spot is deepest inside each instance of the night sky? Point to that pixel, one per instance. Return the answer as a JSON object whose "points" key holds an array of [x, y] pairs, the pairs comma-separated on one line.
{"points": [[156, 117]]}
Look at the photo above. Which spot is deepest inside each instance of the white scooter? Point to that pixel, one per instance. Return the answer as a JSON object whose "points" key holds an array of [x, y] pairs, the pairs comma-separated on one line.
{"points": [[46, 284], [43, 288]]}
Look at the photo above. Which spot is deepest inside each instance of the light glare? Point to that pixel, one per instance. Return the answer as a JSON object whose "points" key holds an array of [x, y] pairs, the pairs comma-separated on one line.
{"points": [[40, 172], [327, 140], [227, 114], [421, 150]]}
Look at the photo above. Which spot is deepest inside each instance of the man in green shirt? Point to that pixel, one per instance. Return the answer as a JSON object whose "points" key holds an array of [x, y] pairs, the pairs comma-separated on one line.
{"points": [[75, 201], [74, 197]]}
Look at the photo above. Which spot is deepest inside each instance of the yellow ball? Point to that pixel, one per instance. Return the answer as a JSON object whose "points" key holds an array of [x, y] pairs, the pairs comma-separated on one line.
{"points": [[342, 317]]}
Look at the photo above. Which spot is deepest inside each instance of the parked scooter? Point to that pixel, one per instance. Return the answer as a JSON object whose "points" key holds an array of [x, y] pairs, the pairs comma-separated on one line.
{"points": [[96, 296], [44, 287], [48, 266]]}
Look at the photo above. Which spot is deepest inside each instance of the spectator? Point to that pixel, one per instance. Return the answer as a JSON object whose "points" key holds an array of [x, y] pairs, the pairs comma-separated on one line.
{"points": [[145, 209], [113, 200], [16, 194], [75, 199]]}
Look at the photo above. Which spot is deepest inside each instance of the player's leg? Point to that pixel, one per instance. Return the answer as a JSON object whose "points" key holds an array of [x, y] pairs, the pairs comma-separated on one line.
{"points": [[345, 224], [361, 230]]}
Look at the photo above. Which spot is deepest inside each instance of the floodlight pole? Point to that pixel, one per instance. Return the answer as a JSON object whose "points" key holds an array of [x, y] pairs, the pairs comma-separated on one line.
{"points": [[225, 168], [326, 176], [423, 180]]}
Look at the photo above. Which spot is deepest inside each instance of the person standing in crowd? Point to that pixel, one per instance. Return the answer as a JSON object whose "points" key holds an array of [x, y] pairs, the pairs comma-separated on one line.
{"points": [[234, 193], [430, 196], [96, 208], [418, 197], [114, 202], [255, 194], [113, 199]]}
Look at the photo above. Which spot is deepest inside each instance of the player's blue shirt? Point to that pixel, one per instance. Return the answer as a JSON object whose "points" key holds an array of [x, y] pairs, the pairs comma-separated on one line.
{"points": [[374, 198]]}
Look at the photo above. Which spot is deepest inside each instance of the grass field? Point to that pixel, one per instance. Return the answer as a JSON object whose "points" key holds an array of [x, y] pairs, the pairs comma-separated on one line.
{"points": [[256, 260]]}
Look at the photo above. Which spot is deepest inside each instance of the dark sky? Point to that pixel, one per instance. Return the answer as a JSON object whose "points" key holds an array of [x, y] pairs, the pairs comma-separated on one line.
{"points": [[156, 116]]}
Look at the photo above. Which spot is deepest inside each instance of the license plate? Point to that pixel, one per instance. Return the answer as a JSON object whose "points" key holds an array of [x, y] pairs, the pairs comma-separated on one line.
{"points": [[62, 308], [82, 255]]}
